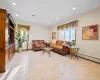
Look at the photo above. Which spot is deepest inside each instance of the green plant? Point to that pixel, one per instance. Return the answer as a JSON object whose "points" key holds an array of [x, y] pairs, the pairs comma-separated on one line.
{"points": [[73, 43], [19, 39]]}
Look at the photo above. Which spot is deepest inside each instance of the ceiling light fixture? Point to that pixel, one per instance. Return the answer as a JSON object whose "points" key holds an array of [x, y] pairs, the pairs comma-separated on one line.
{"points": [[49, 22], [17, 15], [57, 18], [33, 15], [74, 8], [14, 3]]}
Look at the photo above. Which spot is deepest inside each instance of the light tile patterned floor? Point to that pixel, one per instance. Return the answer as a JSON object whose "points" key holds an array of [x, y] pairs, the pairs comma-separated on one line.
{"points": [[36, 66], [1, 74]]}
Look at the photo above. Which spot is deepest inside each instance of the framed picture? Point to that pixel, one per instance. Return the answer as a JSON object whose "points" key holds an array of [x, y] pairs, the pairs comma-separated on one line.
{"points": [[90, 32], [53, 35]]}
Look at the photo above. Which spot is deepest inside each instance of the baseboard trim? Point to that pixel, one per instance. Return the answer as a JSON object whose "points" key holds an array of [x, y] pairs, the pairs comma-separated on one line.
{"points": [[24, 50], [93, 59], [29, 49]]}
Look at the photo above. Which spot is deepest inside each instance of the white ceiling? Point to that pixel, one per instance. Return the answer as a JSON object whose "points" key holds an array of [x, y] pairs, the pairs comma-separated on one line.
{"points": [[46, 11]]}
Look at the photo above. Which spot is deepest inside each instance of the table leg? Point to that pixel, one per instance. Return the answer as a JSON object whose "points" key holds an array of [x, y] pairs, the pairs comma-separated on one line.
{"points": [[49, 53], [43, 51], [72, 54]]}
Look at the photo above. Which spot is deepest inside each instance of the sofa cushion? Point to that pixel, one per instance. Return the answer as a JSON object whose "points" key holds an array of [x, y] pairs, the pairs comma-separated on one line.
{"points": [[68, 43], [59, 47], [64, 43], [42, 41], [53, 42], [43, 45], [59, 43], [53, 46], [37, 45]]}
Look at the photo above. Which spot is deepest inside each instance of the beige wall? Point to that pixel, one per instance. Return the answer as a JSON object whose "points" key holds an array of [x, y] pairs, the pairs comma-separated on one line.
{"points": [[37, 32], [87, 47]]}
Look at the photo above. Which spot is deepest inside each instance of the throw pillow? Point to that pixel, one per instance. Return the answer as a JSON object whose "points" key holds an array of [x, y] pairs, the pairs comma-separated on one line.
{"points": [[53, 42], [64, 43]]}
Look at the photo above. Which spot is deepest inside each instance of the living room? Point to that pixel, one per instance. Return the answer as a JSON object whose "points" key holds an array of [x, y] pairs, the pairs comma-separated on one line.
{"points": [[57, 46]]}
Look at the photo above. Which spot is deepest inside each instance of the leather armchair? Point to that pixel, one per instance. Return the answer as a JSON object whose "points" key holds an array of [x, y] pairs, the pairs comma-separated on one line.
{"points": [[37, 44]]}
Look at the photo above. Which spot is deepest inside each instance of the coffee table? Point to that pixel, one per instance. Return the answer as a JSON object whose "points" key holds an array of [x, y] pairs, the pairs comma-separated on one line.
{"points": [[47, 50]]}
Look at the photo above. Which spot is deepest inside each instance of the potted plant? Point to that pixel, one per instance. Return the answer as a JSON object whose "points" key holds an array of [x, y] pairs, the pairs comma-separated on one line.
{"points": [[73, 43], [20, 40]]}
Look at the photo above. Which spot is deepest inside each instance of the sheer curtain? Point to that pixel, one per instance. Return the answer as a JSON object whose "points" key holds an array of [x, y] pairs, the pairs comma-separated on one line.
{"points": [[61, 35], [68, 34], [72, 33]]}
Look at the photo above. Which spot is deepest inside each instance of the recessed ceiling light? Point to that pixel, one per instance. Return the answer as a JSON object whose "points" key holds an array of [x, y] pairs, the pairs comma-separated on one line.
{"points": [[49, 22], [17, 15], [57, 18], [33, 15], [74, 8], [14, 3]]}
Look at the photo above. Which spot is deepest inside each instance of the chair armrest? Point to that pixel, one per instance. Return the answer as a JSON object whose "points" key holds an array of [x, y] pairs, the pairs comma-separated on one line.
{"points": [[65, 49], [33, 43]]}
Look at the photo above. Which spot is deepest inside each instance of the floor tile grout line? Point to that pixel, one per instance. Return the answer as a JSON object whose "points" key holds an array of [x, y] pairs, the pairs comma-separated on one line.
{"points": [[67, 70], [60, 73]]}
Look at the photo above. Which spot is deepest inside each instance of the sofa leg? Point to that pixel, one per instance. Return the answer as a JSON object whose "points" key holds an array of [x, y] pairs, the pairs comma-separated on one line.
{"points": [[63, 55], [34, 50]]}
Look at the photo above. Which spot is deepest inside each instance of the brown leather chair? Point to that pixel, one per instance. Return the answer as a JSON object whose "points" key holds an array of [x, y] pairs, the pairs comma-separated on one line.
{"points": [[38, 44]]}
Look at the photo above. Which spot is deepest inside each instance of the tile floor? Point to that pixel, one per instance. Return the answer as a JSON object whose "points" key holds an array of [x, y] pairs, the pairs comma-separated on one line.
{"points": [[1, 74], [35, 66]]}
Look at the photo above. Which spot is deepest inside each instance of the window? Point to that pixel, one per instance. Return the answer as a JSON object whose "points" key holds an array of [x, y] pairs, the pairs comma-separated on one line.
{"points": [[72, 34], [61, 35], [68, 34]]}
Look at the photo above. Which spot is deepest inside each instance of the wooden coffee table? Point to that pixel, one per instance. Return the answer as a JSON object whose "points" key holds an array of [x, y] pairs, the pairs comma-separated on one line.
{"points": [[47, 50]]}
